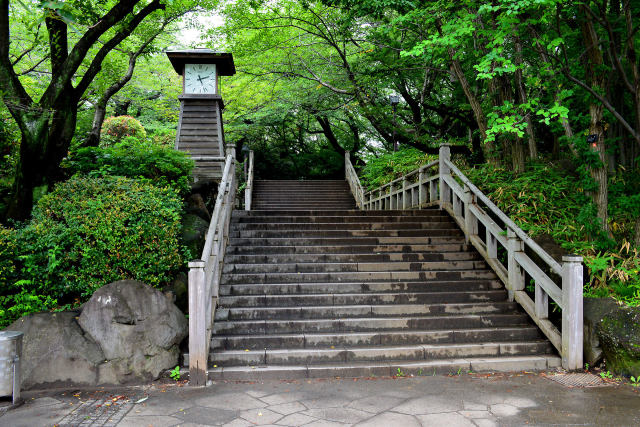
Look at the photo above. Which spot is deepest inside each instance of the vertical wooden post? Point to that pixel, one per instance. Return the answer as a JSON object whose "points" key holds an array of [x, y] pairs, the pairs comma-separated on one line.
{"points": [[444, 170], [541, 302], [422, 188], [470, 221], [492, 244], [197, 324], [393, 200], [248, 192], [572, 312], [433, 190], [406, 198], [230, 149], [516, 273]]}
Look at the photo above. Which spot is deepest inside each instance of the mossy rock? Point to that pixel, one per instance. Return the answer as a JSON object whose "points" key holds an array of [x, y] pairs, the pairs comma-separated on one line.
{"points": [[594, 310], [194, 233], [619, 333]]}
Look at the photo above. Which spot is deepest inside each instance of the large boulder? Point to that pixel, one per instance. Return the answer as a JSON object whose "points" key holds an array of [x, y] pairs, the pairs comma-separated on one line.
{"points": [[619, 333], [56, 351], [594, 310], [137, 328]]}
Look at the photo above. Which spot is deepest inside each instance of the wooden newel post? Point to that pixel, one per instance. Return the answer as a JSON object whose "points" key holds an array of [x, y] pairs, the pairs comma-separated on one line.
{"points": [[444, 170], [572, 312], [197, 324], [230, 149], [516, 273]]}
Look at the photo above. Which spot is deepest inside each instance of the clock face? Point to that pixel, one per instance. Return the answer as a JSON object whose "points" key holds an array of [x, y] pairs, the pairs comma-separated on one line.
{"points": [[200, 79]]}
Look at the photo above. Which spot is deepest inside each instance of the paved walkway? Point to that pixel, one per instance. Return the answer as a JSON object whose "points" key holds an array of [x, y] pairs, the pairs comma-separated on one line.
{"points": [[461, 400]]}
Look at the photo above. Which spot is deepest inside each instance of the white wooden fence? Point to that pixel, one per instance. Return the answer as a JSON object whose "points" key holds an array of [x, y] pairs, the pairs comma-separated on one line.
{"points": [[470, 208], [204, 274]]}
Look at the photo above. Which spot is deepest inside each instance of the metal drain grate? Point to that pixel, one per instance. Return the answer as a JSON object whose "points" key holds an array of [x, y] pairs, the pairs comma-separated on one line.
{"points": [[578, 380]]}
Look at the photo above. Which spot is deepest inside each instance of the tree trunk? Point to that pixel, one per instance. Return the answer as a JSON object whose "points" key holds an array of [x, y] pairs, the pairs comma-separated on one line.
{"points": [[518, 155], [93, 139], [637, 233], [598, 80], [45, 139]]}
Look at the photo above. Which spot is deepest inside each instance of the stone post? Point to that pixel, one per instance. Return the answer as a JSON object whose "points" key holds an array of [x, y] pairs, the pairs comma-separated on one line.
{"points": [[197, 324], [444, 170]]}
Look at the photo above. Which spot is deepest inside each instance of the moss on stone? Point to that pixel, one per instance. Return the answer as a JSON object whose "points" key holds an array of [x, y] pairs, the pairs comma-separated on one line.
{"points": [[619, 334]]}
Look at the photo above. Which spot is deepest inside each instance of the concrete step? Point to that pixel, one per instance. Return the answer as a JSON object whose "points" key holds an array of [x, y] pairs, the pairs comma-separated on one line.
{"points": [[387, 369], [327, 267], [382, 337], [352, 226], [347, 249], [364, 276], [340, 288], [351, 257], [332, 219], [306, 300], [369, 324], [361, 310], [341, 354], [443, 230], [345, 212], [341, 241]]}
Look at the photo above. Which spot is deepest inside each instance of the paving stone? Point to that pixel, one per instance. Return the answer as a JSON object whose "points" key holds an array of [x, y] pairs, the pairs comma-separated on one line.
{"points": [[296, 420], [448, 419], [277, 399], [159, 407], [238, 422], [239, 401], [429, 405], [325, 402], [261, 416], [504, 410], [388, 419], [324, 423], [472, 406], [151, 420], [520, 402], [288, 408], [341, 415], [375, 404], [257, 393], [206, 416], [485, 423], [476, 414]]}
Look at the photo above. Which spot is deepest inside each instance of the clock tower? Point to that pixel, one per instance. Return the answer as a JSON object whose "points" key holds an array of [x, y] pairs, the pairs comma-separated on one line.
{"points": [[200, 130]]}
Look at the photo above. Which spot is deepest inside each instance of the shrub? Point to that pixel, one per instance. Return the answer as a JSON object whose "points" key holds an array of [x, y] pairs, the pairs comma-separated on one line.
{"points": [[389, 166], [92, 231], [159, 165], [116, 129]]}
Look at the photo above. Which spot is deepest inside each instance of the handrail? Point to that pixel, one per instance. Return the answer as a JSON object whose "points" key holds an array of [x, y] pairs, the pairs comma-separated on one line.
{"points": [[354, 182], [204, 275], [248, 191], [470, 208]]}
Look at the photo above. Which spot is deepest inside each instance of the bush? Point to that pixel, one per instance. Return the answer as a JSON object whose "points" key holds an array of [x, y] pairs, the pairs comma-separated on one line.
{"points": [[92, 231], [389, 166], [159, 165], [116, 129]]}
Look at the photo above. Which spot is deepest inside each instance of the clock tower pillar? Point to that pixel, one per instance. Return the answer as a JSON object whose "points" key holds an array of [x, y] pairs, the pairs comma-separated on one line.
{"points": [[200, 130]]}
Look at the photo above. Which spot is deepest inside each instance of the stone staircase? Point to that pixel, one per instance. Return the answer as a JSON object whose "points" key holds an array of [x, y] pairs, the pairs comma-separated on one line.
{"points": [[312, 287]]}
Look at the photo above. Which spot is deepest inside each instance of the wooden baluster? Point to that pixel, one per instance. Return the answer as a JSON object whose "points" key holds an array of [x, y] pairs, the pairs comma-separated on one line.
{"points": [[393, 199], [197, 324], [406, 198], [516, 273], [444, 170], [433, 190], [572, 289], [541, 300], [422, 188], [491, 243], [470, 220]]}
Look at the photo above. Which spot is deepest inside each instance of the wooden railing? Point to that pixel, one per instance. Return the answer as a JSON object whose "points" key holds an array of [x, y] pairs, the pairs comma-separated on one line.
{"points": [[354, 183], [471, 209], [204, 275], [248, 190], [415, 190]]}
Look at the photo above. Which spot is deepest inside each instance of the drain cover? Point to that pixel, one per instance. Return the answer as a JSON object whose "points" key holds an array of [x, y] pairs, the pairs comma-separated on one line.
{"points": [[578, 380]]}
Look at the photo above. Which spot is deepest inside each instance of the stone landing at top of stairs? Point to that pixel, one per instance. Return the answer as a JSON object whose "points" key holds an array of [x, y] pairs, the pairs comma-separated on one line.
{"points": [[313, 288]]}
